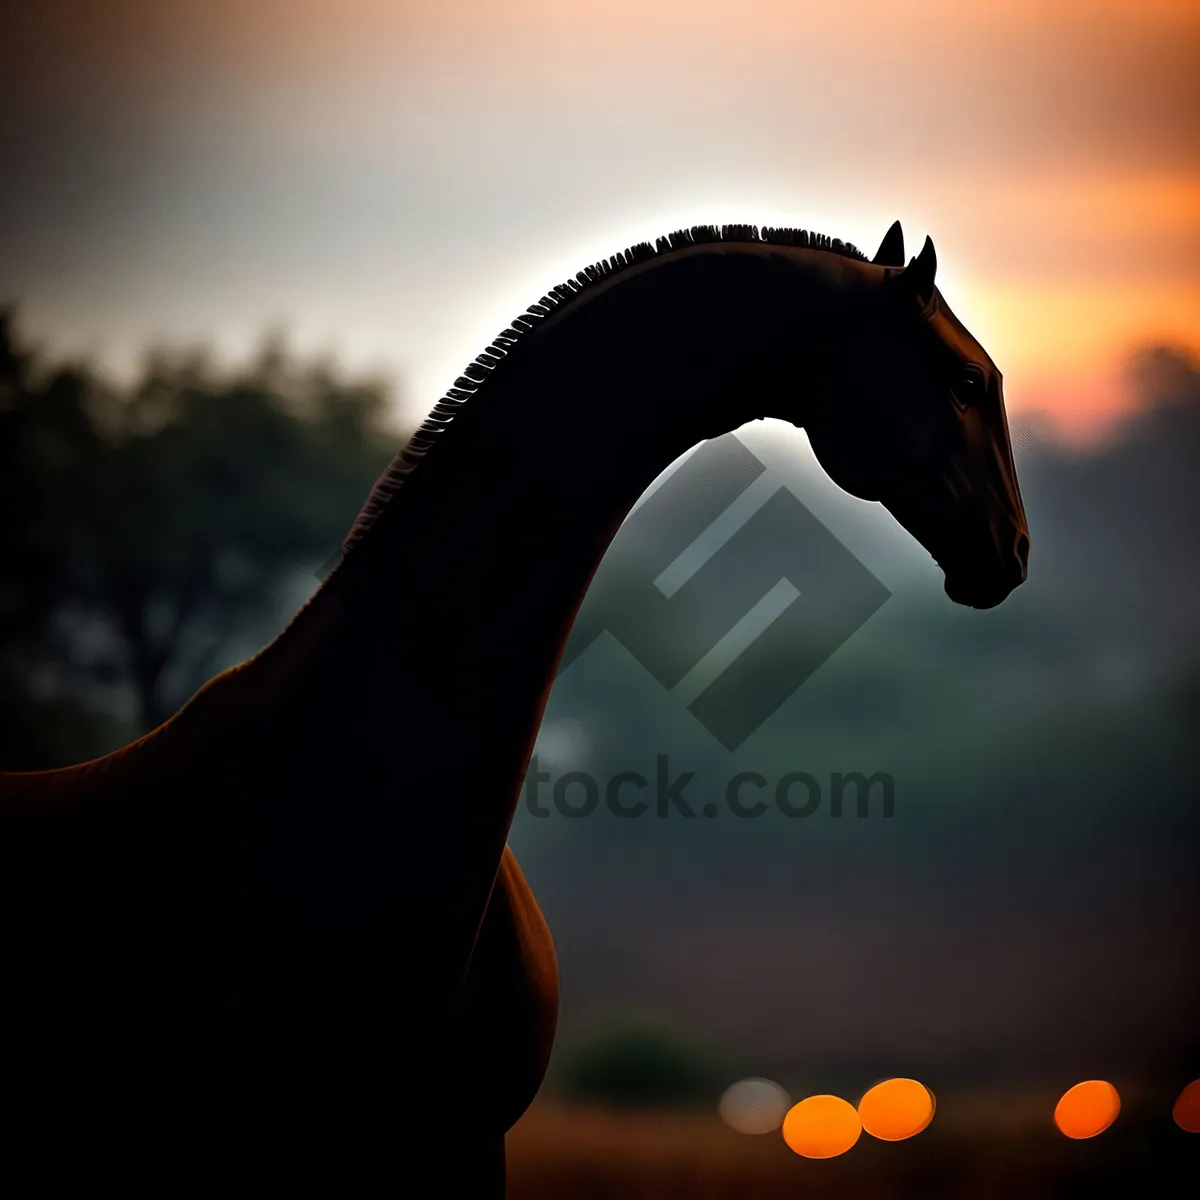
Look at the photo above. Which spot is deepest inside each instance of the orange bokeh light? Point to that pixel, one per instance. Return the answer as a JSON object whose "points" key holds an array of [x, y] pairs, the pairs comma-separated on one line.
{"points": [[896, 1109], [821, 1127], [1087, 1109], [1187, 1108]]}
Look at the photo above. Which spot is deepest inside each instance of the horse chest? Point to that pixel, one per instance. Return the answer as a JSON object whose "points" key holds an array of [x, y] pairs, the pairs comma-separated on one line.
{"points": [[510, 1004]]}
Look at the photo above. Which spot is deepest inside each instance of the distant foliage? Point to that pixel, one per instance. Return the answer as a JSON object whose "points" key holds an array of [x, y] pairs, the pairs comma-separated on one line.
{"points": [[641, 1065], [142, 527]]}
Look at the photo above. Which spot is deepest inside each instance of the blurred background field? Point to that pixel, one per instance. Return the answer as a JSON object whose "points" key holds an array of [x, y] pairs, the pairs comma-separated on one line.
{"points": [[1004, 1150], [384, 187]]}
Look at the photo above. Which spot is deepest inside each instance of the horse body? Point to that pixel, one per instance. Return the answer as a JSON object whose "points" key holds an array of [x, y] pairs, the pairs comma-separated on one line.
{"points": [[331, 951], [173, 1033]]}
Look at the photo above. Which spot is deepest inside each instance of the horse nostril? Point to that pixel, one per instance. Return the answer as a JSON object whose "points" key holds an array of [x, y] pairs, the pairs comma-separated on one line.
{"points": [[1022, 549]]}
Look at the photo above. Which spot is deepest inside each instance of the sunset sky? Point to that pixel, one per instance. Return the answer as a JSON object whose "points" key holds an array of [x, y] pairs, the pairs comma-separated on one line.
{"points": [[393, 182]]}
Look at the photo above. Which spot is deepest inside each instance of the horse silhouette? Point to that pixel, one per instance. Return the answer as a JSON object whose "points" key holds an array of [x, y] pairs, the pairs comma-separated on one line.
{"points": [[283, 932]]}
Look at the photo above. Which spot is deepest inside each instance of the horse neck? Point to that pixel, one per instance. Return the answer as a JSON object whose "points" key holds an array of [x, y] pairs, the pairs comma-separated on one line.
{"points": [[460, 596]]}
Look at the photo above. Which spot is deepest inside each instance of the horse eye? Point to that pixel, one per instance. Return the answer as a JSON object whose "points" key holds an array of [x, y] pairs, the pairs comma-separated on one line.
{"points": [[968, 389]]}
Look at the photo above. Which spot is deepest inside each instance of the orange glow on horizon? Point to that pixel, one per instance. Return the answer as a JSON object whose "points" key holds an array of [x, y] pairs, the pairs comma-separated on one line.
{"points": [[1056, 173], [1087, 1109], [821, 1127], [896, 1109]]}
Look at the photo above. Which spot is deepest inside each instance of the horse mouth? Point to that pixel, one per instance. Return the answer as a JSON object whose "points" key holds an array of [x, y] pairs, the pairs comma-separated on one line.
{"points": [[974, 592]]}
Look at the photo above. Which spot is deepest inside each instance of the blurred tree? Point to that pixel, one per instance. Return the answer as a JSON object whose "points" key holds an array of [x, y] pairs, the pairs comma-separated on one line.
{"points": [[142, 528], [639, 1064], [1119, 527]]}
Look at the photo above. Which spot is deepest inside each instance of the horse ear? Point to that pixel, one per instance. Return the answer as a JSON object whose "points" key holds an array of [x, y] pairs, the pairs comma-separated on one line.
{"points": [[891, 249], [918, 275]]}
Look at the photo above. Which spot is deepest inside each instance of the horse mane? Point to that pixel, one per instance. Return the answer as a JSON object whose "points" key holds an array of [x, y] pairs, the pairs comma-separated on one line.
{"points": [[477, 372]]}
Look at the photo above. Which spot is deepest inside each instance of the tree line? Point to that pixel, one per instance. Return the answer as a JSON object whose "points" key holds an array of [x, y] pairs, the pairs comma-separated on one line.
{"points": [[144, 526]]}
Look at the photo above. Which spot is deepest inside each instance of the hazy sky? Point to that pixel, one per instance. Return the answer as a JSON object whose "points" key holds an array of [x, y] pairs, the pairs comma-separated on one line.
{"points": [[393, 181]]}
